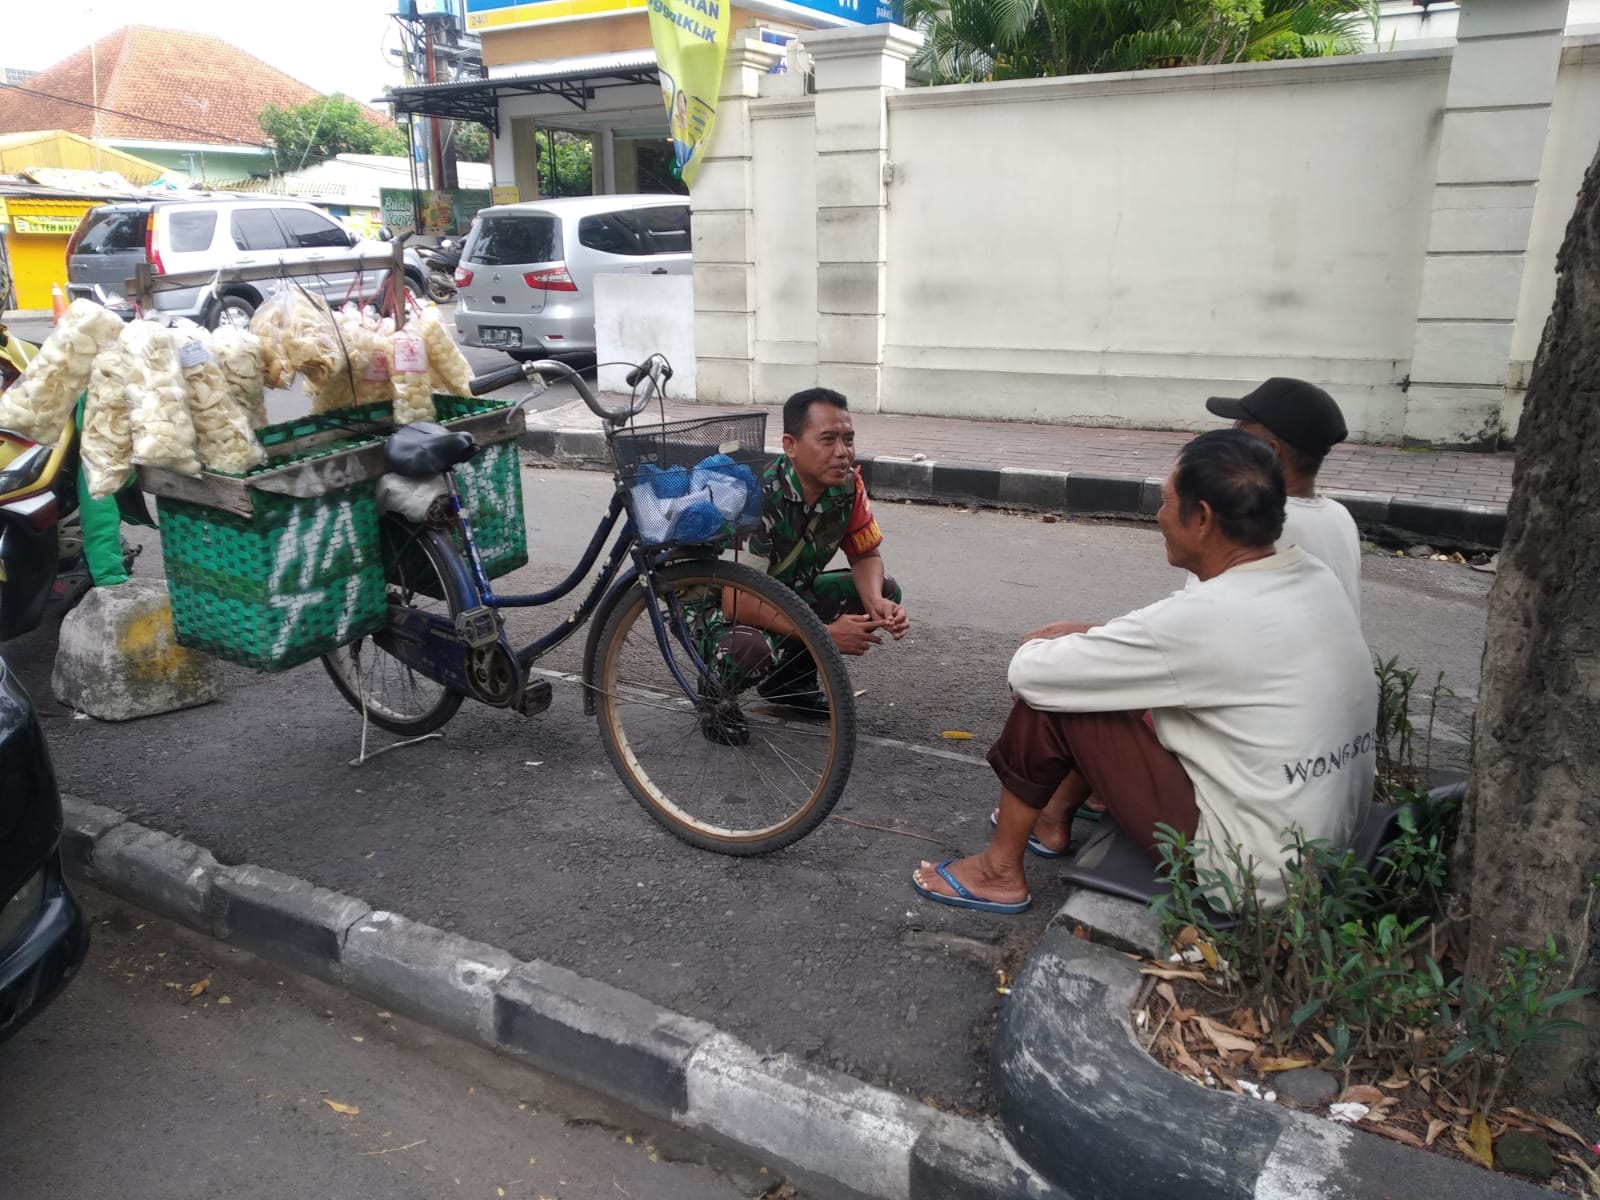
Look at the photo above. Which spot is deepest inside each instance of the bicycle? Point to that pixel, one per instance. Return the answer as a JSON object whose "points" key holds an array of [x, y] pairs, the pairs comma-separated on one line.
{"points": [[702, 738]]}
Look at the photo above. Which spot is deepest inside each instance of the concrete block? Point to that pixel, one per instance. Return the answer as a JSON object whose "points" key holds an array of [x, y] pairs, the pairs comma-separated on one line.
{"points": [[723, 287], [567, 447], [851, 235], [962, 1160], [1150, 499], [852, 120], [1043, 491], [1112, 921], [1479, 524], [1091, 492], [722, 236], [1472, 352], [1471, 287], [598, 1036], [725, 183], [1453, 417], [850, 289], [894, 478], [1368, 509], [825, 1129], [289, 920], [850, 339], [724, 334], [1496, 18], [170, 877], [861, 384], [1504, 146], [860, 56], [723, 380], [1475, 219], [1501, 72], [83, 824], [437, 977], [848, 180], [966, 482], [775, 382], [118, 657]]}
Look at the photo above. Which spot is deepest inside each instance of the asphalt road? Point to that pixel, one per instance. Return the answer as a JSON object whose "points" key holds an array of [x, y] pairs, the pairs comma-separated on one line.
{"points": [[129, 1087], [516, 831]]}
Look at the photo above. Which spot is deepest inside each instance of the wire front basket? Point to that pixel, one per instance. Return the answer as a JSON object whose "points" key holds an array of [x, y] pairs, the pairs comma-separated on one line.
{"points": [[692, 483]]}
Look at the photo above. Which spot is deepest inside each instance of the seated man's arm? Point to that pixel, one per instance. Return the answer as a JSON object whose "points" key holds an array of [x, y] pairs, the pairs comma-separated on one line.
{"points": [[1114, 667], [867, 572]]}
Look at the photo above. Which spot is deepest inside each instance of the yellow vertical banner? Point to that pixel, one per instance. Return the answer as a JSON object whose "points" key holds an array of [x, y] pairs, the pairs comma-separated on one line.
{"points": [[691, 41]]}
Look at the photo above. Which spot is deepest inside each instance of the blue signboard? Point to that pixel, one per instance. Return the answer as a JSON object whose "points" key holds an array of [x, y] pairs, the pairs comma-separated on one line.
{"points": [[858, 12], [491, 15]]}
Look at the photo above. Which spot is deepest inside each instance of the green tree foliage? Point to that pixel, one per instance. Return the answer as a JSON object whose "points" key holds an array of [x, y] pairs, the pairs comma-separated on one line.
{"points": [[972, 40], [573, 166], [471, 141], [326, 126]]}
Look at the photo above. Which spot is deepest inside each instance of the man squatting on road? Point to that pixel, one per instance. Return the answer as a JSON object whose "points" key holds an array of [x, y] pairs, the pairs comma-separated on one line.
{"points": [[813, 505], [1259, 691]]}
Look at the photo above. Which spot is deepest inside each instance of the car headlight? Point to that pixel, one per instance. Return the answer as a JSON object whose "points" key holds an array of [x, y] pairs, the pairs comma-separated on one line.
{"points": [[20, 911]]}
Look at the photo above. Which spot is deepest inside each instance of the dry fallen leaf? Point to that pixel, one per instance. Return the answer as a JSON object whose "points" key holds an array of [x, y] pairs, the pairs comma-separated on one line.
{"points": [[1482, 1142], [956, 735], [349, 1110], [1395, 1083], [1181, 1052], [1550, 1123], [1164, 990], [1173, 973], [1363, 1094], [1589, 1176], [1209, 953], [224, 999], [196, 989], [1327, 1046], [1435, 1128], [1282, 1064], [1394, 1133], [1467, 1149], [1223, 1039]]}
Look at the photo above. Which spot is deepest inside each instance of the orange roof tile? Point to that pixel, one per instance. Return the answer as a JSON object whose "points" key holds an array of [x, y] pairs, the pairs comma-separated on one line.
{"points": [[166, 85]]}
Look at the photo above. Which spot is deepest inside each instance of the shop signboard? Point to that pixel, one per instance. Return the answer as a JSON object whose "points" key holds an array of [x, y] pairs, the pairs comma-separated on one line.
{"points": [[431, 213], [50, 226], [490, 15]]}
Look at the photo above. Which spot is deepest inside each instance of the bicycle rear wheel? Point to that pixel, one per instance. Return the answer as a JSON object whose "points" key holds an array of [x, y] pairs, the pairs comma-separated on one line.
{"points": [[397, 697], [733, 769]]}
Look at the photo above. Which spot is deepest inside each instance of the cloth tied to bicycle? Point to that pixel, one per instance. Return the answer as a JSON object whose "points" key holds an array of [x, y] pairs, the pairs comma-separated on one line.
{"points": [[697, 504]]}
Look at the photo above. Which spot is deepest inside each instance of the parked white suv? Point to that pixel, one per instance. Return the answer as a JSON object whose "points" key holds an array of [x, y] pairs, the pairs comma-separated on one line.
{"points": [[208, 234]]}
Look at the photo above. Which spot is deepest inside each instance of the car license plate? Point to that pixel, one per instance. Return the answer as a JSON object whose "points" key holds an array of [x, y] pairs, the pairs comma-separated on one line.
{"points": [[499, 335]]}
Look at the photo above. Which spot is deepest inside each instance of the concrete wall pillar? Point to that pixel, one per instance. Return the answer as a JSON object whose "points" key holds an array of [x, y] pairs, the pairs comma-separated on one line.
{"points": [[855, 71], [723, 200], [1497, 112]]}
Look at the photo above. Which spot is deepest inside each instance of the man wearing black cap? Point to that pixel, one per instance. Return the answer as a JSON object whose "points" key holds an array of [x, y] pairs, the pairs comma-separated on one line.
{"points": [[1301, 423]]}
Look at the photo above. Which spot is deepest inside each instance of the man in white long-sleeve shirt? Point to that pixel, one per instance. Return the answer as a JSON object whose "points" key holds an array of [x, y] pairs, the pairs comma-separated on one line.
{"points": [[1258, 685]]}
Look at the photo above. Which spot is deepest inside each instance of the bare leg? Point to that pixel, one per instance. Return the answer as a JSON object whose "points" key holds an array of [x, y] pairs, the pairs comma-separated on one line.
{"points": [[995, 873], [1054, 826]]}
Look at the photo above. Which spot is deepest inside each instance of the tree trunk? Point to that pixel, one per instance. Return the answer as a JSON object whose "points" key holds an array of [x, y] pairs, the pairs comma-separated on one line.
{"points": [[1531, 838]]}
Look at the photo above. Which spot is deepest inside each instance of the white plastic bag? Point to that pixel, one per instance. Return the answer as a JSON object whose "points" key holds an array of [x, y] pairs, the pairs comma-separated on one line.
{"points": [[447, 366], [106, 445], [223, 437], [39, 404], [158, 400], [238, 352], [413, 389]]}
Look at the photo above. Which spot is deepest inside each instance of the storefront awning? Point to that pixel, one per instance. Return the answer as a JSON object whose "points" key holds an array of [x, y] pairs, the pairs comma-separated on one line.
{"points": [[576, 81]]}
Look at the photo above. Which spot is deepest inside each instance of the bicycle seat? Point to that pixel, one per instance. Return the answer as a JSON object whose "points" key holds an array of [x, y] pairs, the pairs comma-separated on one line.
{"points": [[423, 448]]}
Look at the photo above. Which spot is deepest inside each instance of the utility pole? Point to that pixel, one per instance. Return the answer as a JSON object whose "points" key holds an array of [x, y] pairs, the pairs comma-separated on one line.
{"points": [[436, 160]]}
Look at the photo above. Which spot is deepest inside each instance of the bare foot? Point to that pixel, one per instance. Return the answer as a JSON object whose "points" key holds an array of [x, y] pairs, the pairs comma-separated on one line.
{"points": [[1052, 832], [983, 879]]}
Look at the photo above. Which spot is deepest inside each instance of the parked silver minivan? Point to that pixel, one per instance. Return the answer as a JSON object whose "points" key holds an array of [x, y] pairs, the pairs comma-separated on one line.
{"points": [[205, 234], [526, 280]]}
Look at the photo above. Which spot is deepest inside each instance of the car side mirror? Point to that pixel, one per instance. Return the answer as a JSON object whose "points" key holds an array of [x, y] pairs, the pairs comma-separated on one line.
{"points": [[353, 239]]}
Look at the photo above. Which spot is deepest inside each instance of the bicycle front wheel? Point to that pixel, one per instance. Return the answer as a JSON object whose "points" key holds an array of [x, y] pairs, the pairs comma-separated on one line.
{"points": [[397, 696], [760, 753]]}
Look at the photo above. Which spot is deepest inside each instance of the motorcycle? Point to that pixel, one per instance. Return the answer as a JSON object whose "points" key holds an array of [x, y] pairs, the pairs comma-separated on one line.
{"points": [[41, 537], [441, 262]]}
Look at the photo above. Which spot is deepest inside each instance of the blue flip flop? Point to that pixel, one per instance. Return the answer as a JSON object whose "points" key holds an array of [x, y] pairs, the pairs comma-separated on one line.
{"points": [[1034, 844], [964, 898]]}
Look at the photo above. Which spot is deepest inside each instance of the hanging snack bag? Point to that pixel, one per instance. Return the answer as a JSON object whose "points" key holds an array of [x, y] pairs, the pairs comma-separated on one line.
{"points": [[413, 391], [106, 444], [238, 353], [39, 404], [223, 437], [158, 400], [447, 366]]}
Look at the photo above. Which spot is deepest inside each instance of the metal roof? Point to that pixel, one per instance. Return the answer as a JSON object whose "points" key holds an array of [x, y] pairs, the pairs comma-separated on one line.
{"points": [[575, 80]]}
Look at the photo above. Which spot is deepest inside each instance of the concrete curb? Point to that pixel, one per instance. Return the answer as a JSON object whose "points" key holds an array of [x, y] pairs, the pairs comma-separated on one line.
{"points": [[830, 1133], [1107, 494], [1082, 1101]]}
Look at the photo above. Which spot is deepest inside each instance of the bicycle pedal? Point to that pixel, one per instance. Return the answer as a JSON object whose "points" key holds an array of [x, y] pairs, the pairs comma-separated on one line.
{"points": [[478, 627], [536, 697]]}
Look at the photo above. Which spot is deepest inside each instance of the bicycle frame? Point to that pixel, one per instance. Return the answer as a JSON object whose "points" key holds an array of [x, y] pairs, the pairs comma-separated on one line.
{"points": [[437, 646]]}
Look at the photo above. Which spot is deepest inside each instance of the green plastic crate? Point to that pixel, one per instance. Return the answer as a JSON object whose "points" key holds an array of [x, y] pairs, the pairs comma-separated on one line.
{"points": [[298, 579]]}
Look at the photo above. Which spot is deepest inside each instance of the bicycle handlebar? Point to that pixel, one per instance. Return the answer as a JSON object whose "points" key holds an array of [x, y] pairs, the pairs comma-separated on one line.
{"points": [[654, 371]]}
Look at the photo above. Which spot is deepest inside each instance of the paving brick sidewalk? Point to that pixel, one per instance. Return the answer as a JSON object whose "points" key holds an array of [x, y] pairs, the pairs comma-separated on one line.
{"points": [[1452, 496]]}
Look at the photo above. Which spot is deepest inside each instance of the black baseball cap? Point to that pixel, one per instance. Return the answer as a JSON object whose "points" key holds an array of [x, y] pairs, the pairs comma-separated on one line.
{"points": [[1298, 412]]}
